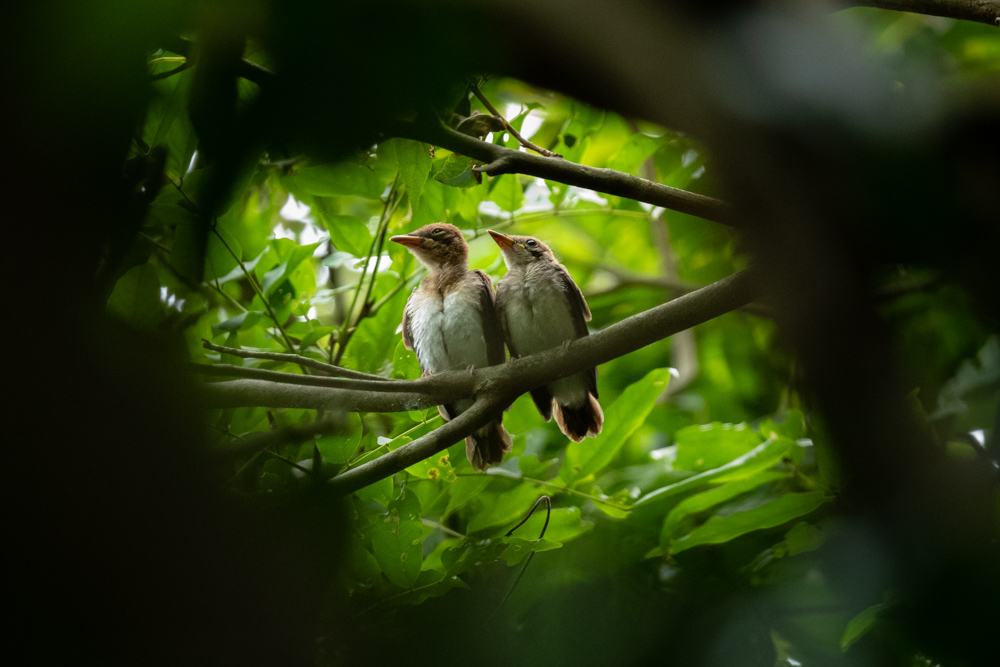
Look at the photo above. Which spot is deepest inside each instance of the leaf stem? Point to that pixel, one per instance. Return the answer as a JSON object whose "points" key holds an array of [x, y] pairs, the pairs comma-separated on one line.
{"points": [[350, 321]]}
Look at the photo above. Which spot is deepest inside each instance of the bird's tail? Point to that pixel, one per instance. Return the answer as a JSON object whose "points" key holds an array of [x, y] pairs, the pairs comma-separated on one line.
{"points": [[488, 445], [578, 423]]}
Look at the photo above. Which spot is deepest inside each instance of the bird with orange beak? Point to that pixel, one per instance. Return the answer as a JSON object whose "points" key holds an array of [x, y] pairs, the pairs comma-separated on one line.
{"points": [[540, 307], [451, 323]]}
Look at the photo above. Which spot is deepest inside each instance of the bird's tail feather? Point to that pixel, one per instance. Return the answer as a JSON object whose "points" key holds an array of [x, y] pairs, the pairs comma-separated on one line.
{"points": [[578, 423], [488, 445]]}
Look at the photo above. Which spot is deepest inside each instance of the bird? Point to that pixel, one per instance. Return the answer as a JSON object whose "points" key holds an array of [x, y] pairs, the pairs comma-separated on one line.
{"points": [[450, 322], [540, 307]]}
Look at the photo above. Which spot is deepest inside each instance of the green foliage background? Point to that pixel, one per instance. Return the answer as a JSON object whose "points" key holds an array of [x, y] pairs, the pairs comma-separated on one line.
{"points": [[720, 491]]}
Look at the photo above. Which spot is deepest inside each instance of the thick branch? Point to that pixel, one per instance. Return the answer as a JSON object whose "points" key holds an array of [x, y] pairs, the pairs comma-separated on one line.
{"points": [[262, 393], [511, 379], [482, 411], [980, 11], [501, 160], [441, 388]]}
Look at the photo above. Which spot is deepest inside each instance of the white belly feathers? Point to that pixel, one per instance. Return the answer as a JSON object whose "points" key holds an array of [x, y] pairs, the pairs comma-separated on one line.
{"points": [[537, 316], [447, 333]]}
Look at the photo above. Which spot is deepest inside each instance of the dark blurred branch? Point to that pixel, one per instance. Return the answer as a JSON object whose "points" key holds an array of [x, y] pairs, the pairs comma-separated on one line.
{"points": [[980, 11], [501, 160], [245, 69], [294, 434]]}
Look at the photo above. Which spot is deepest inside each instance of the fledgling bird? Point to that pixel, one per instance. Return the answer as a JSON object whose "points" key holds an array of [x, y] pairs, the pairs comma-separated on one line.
{"points": [[540, 307], [451, 323]]}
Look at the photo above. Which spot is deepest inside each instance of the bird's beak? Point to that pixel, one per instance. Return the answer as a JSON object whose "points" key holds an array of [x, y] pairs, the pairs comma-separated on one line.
{"points": [[409, 240], [505, 242]]}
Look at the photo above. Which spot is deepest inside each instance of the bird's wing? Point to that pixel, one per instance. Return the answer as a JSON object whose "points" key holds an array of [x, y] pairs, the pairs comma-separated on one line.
{"points": [[492, 331], [579, 311], [501, 302], [407, 334]]}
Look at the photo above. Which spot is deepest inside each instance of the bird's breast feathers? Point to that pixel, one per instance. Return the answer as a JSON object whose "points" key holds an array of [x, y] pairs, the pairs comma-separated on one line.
{"points": [[447, 330], [537, 314]]}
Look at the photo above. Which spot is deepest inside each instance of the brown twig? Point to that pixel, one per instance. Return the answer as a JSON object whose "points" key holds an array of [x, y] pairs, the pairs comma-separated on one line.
{"points": [[514, 133]]}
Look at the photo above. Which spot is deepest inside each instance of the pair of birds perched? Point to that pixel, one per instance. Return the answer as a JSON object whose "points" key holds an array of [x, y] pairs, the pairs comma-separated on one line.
{"points": [[453, 321]]}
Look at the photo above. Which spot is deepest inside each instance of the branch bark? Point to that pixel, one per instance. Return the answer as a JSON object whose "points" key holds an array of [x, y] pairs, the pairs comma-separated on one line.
{"points": [[501, 160], [980, 11]]}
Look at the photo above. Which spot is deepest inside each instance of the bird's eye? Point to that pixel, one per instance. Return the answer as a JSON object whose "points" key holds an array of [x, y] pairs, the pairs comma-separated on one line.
{"points": [[437, 232], [531, 242]]}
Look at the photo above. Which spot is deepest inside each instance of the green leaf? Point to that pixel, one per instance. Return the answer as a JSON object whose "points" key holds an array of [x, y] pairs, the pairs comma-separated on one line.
{"points": [[634, 152], [708, 499], [518, 548], [621, 419], [803, 537], [239, 322], [344, 178], [273, 277], [720, 529], [414, 161], [503, 508], [380, 491], [705, 447], [404, 363], [339, 447], [763, 456], [507, 193], [437, 466], [464, 489], [222, 254], [361, 563], [136, 297], [348, 234], [397, 540], [565, 524], [457, 172], [859, 626]]}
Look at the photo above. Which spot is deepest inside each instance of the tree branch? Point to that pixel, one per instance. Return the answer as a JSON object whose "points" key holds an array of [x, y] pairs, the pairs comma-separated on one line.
{"points": [[263, 393], [330, 369], [980, 11], [501, 160], [477, 416]]}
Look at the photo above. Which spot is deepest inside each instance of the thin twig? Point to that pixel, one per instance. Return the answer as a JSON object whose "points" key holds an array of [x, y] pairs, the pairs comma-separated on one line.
{"points": [[430, 384], [351, 322], [259, 291], [527, 562], [170, 72], [514, 133], [334, 371]]}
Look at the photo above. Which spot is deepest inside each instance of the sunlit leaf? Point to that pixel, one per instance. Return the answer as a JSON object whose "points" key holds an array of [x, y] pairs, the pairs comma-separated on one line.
{"points": [[621, 419], [720, 529], [338, 447]]}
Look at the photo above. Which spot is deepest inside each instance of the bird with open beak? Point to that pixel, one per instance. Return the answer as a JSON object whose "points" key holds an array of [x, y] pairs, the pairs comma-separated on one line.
{"points": [[540, 307], [451, 324]]}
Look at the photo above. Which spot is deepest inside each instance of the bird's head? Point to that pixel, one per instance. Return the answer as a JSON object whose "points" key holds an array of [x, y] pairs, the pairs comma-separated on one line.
{"points": [[438, 245], [522, 251]]}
